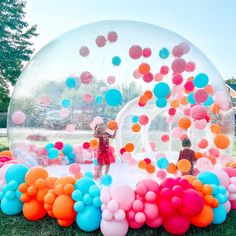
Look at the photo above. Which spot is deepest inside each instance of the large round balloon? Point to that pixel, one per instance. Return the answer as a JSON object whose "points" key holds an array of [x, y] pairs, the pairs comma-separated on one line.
{"points": [[152, 82]]}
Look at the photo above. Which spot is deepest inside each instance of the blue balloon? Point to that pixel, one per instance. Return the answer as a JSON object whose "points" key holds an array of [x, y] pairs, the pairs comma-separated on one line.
{"points": [[88, 174], [84, 184], [222, 189], [161, 90], [113, 97], [97, 202], [94, 191], [161, 102], [116, 61], [66, 103], [191, 99], [13, 185], [1, 196], [16, 172], [98, 99], [87, 199], [79, 206], [215, 189], [53, 153], [221, 198], [219, 214], [67, 149], [164, 53], [135, 119], [71, 82], [106, 180], [208, 102], [49, 145], [89, 219], [77, 195], [71, 156], [95, 162], [11, 207], [162, 163], [18, 194], [10, 194], [208, 178], [201, 80]]}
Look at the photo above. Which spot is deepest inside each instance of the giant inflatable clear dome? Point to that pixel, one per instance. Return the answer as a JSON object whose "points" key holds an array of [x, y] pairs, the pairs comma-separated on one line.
{"points": [[153, 84]]}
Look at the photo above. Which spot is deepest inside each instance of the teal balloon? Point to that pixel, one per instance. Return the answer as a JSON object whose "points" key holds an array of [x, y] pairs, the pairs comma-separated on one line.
{"points": [[208, 178], [201, 80], [222, 189], [88, 174], [113, 97], [67, 149], [164, 53], [97, 202], [66, 103], [89, 219], [191, 99], [84, 184], [98, 100], [94, 190], [222, 198], [70, 82], [16, 172], [208, 102], [215, 189], [13, 185], [53, 153], [106, 180], [10, 194], [135, 119], [87, 199], [116, 61], [161, 102], [79, 206], [220, 214], [162, 163], [18, 194], [161, 90], [95, 162], [48, 146], [77, 195], [71, 156], [11, 207]]}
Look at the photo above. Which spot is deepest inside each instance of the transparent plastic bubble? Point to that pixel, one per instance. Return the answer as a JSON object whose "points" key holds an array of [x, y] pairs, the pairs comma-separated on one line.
{"points": [[146, 78]]}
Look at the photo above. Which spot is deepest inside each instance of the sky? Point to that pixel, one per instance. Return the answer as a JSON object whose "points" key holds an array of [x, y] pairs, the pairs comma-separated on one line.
{"points": [[208, 24]]}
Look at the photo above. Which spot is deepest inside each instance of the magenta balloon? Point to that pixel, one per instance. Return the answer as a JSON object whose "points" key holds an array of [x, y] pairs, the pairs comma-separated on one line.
{"points": [[157, 222], [201, 95]]}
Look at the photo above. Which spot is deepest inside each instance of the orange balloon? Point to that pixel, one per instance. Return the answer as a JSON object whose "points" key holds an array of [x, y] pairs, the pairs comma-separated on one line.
{"points": [[136, 128], [112, 125], [65, 180], [212, 159], [174, 103], [209, 89], [94, 143], [49, 198], [184, 165], [142, 164], [148, 94], [207, 189], [50, 181], [68, 189], [197, 185], [184, 100], [31, 191], [150, 168], [35, 173], [129, 147], [208, 199], [171, 168], [203, 219], [190, 178], [58, 189], [184, 123], [215, 203], [6, 154], [198, 155], [40, 183], [221, 141], [33, 210], [47, 207], [41, 194], [216, 128], [143, 99], [144, 68], [190, 78], [215, 108], [65, 223], [25, 198], [23, 187]]}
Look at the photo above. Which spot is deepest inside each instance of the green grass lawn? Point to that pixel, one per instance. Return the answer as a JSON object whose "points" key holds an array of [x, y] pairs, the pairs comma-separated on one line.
{"points": [[18, 225]]}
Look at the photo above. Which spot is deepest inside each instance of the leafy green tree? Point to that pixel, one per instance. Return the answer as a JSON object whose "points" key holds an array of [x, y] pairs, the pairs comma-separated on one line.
{"points": [[231, 80], [15, 45]]}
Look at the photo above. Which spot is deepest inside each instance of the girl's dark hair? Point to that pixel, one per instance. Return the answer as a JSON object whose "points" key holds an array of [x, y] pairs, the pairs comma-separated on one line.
{"points": [[186, 142]]}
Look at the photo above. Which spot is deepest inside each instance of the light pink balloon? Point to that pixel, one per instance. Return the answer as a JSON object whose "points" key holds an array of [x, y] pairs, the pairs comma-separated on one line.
{"points": [[190, 67], [44, 100], [84, 51], [87, 97], [107, 215], [222, 176], [74, 169], [3, 171], [98, 120], [177, 132], [140, 217], [126, 155], [111, 79], [119, 215], [77, 149], [171, 119], [64, 113], [135, 52], [136, 74], [18, 117], [227, 206], [151, 210], [125, 200], [114, 228], [204, 164], [200, 124], [100, 41], [70, 127], [105, 197], [178, 65], [185, 46], [178, 51], [176, 89], [112, 37], [113, 206], [158, 77]]}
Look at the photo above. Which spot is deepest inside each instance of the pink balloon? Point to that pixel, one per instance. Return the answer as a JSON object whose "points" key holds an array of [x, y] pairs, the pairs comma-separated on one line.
{"points": [[100, 41], [222, 176], [87, 97], [147, 52], [113, 206], [112, 37], [132, 162], [86, 77], [157, 222], [136, 74], [151, 211], [70, 127], [176, 89], [203, 143], [189, 86], [161, 174], [119, 215], [150, 185], [107, 215], [198, 112], [84, 51], [165, 208], [114, 228], [178, 65], [18, 117], [227, 206], [200, 124], [64, 113], [148, 77], [135, 52], [176, 225], [44, 100], [125, 200], [140, 217], [165, 138], [187, 111], [164, 70], [111, 80], [176, 132], [158, 77], [177, 79], [105, 197], [185, 46], [150, 197], [214, 152], [230, 171], [74, 169], [204, 164], [233, 205], [171, 119], [201, 95], [190, 67], [138, 205], [177, 51], [143, 119]]}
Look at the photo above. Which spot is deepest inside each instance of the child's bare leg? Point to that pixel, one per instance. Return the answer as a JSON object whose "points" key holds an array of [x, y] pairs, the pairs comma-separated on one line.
{"points": [[99, 171], [107, 169]]}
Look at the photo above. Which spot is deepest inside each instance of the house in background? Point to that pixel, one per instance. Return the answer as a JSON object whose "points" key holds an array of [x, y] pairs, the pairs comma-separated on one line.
{"points": [[232, 93]]}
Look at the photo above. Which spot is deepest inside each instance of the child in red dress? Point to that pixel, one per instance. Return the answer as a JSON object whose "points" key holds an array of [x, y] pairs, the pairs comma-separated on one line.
{"points": [[187, 154], [104, 150]]}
